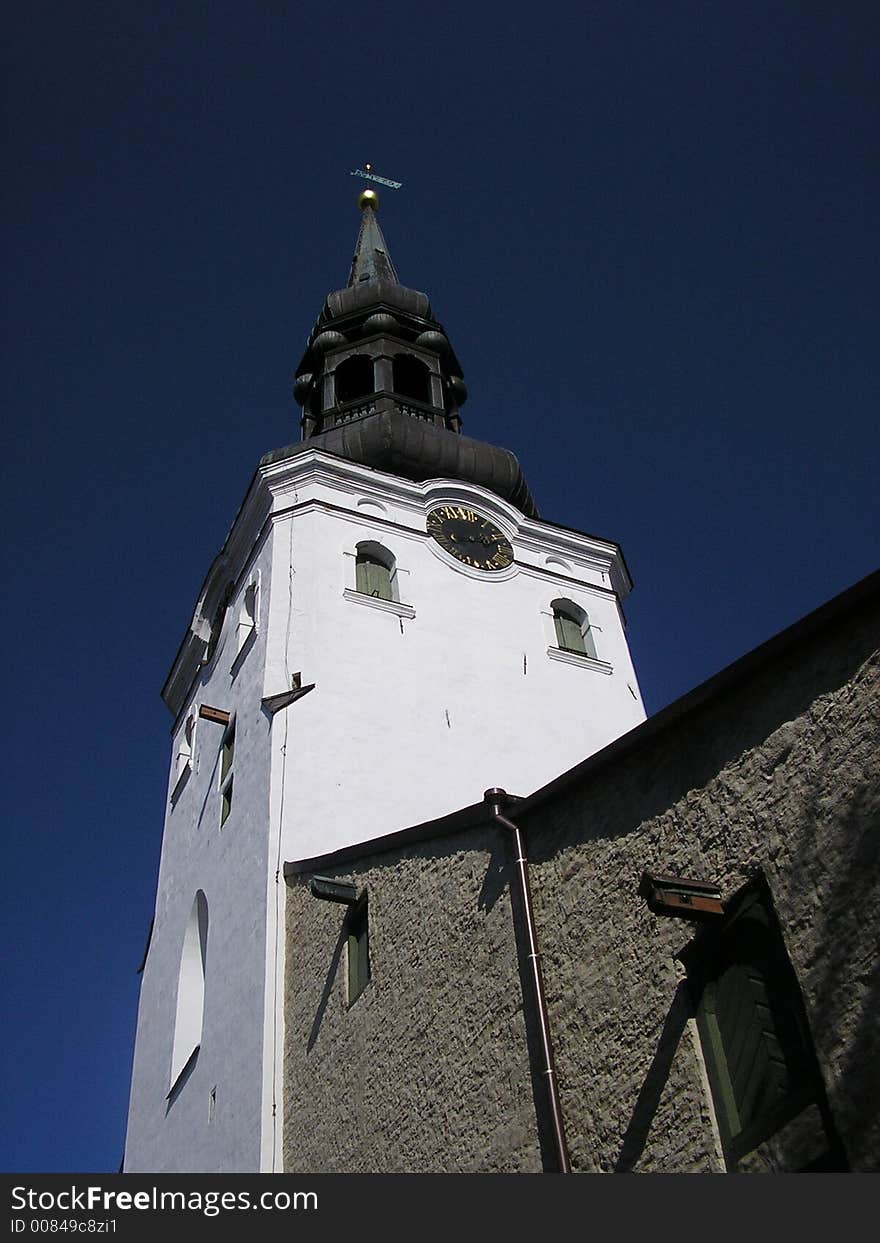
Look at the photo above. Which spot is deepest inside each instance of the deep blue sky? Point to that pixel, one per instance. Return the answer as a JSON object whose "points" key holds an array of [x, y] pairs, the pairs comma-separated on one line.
{"points": [[651, 233]]}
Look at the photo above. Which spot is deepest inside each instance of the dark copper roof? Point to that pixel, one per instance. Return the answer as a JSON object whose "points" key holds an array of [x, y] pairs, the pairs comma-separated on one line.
{"points": [[419, 438], [401, 445], [372, 259]]}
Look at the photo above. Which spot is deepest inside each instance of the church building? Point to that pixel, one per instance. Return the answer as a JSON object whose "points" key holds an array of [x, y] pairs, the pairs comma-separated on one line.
{"points": [[433, 894]]}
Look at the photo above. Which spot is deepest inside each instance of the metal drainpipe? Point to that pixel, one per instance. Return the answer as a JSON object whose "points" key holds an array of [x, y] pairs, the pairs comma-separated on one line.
{"points": [[495, 799]]}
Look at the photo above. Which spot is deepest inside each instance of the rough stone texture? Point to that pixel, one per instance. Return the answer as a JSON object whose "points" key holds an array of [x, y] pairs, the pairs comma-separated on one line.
{"points": [[778, 772], [774, 770], [427, 1070]]}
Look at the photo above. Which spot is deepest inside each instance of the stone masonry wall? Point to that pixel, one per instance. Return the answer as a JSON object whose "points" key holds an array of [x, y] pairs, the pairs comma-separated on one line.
{"points": [[428, 1070], [779, 773]]}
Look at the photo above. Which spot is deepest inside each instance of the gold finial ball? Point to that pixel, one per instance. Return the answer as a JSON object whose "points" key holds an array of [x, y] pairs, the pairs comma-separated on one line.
{"points": [[368, 198]]}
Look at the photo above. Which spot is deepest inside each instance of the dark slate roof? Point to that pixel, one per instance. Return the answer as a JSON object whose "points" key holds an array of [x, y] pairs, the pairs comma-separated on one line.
{"points": [[372, 259], [408, 447]]}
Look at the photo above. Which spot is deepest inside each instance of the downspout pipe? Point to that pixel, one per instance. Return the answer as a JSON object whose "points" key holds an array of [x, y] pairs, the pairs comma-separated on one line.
{"points": [[496, 800]]}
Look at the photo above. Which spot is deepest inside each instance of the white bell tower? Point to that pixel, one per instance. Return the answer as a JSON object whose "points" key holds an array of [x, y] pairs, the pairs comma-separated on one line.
{"points": [[389, 630]]}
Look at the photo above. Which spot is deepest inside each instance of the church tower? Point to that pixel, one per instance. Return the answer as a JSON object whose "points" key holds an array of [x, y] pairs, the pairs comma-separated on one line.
{"points": [[388, 630]]}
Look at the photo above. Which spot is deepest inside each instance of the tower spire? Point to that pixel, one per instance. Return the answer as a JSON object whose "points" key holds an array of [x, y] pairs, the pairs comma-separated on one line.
{"points": [[380, 384], [372, 260]]}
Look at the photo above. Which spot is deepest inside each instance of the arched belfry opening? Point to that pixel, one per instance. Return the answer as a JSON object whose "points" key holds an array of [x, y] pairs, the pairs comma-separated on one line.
{"points": [[354, 379], [411, 378], [376, 348], [378, 360]]}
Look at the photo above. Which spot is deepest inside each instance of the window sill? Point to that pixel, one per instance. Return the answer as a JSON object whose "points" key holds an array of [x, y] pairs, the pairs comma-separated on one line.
{"points": [[575, 658], [374, 602]]}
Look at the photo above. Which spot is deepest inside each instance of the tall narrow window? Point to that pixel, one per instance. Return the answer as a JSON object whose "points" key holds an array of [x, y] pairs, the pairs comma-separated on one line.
{"points": [[183, 761], [227, 756], [572, 625], [373, 573], [190, 990], [358, 950], [762, 1067], [247, 617]]}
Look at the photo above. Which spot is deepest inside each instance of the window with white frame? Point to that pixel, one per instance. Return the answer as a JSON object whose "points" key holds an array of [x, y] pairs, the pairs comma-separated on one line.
{"points": [[373, 577], [190, 993], [183, 760], [573, 631], [247, 615], [375, 571]]}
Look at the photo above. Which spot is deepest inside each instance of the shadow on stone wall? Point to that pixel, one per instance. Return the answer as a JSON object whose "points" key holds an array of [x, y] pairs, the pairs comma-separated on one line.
{"points": [[636, 1134], [842, 985], [823, 866], [327, 991]]}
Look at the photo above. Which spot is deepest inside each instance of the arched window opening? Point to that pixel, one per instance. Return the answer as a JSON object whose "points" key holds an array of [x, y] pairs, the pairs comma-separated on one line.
{"points": [[217, 620], [190, 990], [374, 571], [247, 617], [573, 633], [354, 379], [412, 378], [184, 759]]}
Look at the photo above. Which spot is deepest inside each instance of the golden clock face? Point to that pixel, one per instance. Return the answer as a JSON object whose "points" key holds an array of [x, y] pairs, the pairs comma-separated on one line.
{"points": [[473, 540]]}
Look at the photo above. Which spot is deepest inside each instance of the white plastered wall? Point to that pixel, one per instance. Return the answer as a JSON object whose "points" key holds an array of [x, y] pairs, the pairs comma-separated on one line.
{"points": [[417, 708], [229, 863]]}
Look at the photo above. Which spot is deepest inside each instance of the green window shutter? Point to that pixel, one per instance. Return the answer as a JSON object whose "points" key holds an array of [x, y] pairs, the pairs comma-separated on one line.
{"points": [[358, 952], [761, 1065], [755, 1060], [372, 577], [568, 633]]}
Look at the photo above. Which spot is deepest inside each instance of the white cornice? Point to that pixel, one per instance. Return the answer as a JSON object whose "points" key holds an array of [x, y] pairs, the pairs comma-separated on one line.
{"points": [[270, 490], [531, 533]]}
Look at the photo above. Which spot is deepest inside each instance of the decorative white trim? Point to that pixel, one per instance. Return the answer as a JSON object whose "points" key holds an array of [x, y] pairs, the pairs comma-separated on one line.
{"points": [[566, 582], [575, 658], [291, 485], [184, 756], [248, 619], [490, 513], [485, 576], [367, 505], [373, 602]]}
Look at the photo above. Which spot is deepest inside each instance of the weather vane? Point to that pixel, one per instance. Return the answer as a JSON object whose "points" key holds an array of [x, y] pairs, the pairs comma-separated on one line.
{"points": [[367, 173]]}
